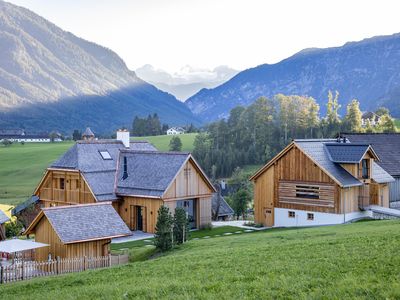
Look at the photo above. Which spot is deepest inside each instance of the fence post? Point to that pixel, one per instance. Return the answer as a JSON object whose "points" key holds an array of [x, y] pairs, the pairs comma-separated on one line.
{"points": [[1, 274], [84, 263], [57, 265], [22, 267], [109, 260]]}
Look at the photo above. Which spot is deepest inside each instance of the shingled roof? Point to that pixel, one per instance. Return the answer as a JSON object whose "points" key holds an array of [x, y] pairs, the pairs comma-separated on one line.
{"points": [[328, 157], [3, 217], [386, 145], [224, 208], [85, 222], [99, 173], [149, 172]]}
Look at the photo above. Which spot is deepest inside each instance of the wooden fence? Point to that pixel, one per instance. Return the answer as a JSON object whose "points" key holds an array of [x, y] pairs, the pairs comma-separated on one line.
{"points": [[31, 269]]}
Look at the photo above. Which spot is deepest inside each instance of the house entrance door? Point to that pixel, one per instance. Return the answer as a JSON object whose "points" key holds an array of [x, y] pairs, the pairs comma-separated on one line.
{"points": [[139, 218], [269, 216]]}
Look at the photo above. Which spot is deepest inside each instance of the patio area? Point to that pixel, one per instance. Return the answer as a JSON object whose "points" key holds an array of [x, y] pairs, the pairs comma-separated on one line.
{"points": [[136, 236]]}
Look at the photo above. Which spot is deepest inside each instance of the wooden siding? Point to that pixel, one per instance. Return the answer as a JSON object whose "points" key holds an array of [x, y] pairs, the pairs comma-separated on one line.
{"points": [[187, 184], [264, 197], [44, 233], [294, 193], [150, 213], [294, 166], [204, 211], [75, 190], [349, 200]]}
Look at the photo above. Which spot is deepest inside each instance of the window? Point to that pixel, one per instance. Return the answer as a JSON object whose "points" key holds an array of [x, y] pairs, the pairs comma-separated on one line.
{"points": [[62, 183], [365, 168], [291, 214], [309, 192], [310, 216], [105, 155]]}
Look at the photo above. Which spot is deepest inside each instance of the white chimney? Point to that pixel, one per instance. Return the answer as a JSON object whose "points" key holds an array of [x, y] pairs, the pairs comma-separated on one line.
{"points": [[123, 136]]}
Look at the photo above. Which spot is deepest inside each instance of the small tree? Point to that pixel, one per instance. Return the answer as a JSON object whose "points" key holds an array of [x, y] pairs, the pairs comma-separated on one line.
{"points": [[13, 229], [163, 233], [6, 142], [240, 200], [175, 144], [181, 226]]}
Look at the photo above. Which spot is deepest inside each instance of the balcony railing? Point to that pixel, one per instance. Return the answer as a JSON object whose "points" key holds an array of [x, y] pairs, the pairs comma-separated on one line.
{"points": [[59, 195]]}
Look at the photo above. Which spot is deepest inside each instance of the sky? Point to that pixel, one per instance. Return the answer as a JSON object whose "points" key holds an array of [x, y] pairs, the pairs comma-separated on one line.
{"points": [[170, 34]]}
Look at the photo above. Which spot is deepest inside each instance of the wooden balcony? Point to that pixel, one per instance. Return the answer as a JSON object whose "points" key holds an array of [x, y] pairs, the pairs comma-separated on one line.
{"points": [[68, 196]]}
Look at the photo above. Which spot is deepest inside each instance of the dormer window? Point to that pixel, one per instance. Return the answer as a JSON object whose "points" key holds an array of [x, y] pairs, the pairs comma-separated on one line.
{"points": [[105, 155], [365, 168]]}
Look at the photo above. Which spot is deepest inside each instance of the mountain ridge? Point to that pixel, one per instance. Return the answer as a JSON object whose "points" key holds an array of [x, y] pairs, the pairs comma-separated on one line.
{"points": [[365, 70], [41, 64]]}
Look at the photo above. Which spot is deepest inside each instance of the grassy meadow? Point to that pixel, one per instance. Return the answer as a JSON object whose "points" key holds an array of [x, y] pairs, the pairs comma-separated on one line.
{"points": [[22, 167], [161, 142], [357, 260]]}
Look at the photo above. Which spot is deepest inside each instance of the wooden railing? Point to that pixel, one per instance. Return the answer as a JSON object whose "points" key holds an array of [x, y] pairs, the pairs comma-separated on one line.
{"points": [[70, 196], [31, 269]]}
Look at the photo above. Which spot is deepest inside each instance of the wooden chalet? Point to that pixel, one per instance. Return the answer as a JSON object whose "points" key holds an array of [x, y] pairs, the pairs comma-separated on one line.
{"points": [[3, 220], [134, 176], [319, 182], [76, 230]]}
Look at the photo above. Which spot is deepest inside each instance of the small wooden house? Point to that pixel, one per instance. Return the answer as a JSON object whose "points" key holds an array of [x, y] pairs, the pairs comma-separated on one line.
{"points": [[3, 220], [76, 230], [134, 176], [319, 182]]}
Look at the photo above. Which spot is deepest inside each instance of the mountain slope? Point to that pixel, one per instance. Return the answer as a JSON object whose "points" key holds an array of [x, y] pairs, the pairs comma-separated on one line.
{"points": [[46, 73], [367, 70]]}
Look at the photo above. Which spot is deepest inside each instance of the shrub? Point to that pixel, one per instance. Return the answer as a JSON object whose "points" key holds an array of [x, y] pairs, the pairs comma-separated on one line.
{"points": [[181, 226], [163, 233], [13, 229], [175, 144]]}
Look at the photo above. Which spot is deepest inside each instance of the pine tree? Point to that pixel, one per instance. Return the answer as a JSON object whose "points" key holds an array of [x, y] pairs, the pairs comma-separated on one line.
{"points": [[332, 119], [181, 226], [163, 232], [175, 144]]}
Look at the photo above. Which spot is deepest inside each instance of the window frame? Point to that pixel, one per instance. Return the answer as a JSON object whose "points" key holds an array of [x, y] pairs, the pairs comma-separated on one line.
{"points": [[310, 216], [365, 169], [291, 214], [105, 153]]}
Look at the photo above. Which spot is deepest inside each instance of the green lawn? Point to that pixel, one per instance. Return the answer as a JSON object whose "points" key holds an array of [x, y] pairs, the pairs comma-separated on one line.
{"points": [[161, 142], [22, 166], [338, 262]]}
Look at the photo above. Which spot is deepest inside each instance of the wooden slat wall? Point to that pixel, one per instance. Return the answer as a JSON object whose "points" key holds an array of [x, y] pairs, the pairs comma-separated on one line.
{"points": [[204, 211], [295, 166], [288, 190], [349, 200], [150, 213], [76, 190]]}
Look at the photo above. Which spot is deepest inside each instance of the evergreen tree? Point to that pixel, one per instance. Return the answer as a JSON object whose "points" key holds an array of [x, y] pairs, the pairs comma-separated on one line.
{"points": [[240, 201], [163, 237], [332, 119], [175, 144], [76, 135], [181, 226], [352, 120]]}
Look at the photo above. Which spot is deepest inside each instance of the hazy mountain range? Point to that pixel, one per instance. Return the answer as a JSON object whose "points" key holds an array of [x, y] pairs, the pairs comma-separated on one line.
{"points": [[51, 79], [187, 81], [367, 70]]}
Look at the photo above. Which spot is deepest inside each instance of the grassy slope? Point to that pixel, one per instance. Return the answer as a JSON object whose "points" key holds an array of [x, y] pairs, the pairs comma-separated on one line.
{"points": [[347, 261], [161, 142], [22, 167]]}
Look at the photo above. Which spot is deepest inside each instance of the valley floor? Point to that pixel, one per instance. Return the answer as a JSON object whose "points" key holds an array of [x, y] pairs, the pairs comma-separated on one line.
{"points": [[346, 261]]}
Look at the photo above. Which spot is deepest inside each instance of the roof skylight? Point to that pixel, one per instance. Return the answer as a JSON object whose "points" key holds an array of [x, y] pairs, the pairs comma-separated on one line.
{"points": [[105, 155]]}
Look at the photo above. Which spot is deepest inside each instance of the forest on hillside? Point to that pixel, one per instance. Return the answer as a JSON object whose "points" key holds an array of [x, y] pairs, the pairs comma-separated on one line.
{"points": [[254, 134]]}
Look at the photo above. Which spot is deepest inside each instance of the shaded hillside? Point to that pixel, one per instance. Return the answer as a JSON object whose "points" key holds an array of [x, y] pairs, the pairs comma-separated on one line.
{"points": [[47, 73], [366, 70]]}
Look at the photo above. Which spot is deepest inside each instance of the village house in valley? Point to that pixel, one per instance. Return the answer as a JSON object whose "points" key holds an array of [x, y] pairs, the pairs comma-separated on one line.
{"points": [[83, 230], [320, 182], [135, 177]]}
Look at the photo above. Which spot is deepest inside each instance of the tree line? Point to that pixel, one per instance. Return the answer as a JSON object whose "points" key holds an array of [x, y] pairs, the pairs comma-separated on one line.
{"points": [[254, 134]]}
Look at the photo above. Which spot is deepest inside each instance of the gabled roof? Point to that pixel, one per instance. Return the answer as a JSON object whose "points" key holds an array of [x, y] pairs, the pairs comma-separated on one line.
{"points": [[386, 145], [84, 222], [32, 200], [3, 217], [348, 153], [379, 175], [224, 208], [99, 173], [150, 173], [327, 157], [88, 132]]}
